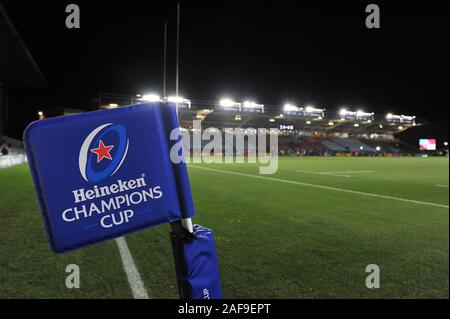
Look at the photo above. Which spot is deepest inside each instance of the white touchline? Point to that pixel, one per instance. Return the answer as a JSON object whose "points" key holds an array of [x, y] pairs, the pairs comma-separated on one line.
{"points": [[134, 279], [443, 186], [412, 201]]}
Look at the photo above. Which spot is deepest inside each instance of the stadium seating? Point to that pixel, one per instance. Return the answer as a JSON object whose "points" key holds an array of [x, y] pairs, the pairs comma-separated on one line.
{"points": [[332, 146], [353, 144]]}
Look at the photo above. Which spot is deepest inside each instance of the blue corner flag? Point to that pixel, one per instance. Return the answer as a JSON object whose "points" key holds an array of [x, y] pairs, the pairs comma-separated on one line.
{"points": [[102, 175]]}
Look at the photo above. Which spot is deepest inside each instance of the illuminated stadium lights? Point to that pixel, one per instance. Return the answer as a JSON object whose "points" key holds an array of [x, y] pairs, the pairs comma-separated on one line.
{"points": [[179, 100], [380, 126], [40, 113], [404, 119], [227, 103], [445, 143], [291, 108], [361, 148], [250, 106], [176, 99], [347, 115], [238, 118], [312, 111], [364, 116], [378, 148], [150, 98]]}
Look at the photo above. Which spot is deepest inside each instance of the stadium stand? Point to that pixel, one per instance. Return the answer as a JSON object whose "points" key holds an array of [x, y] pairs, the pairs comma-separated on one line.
{"points": [[353, 145], [11, 152], [319, 133], [333, 146]]}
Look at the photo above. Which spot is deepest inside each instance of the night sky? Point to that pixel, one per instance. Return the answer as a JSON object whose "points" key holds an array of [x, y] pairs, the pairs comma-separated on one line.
{"points": [[303, 52]]}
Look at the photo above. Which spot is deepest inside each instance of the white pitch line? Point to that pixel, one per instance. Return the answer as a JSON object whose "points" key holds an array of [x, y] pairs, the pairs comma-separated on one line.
{"points": [[134, 279], [323, 173], [442, 186], [350, 172], [273, 179]]}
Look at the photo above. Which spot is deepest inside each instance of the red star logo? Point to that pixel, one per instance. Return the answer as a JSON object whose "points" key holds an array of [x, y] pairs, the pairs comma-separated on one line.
{"points": [[103, 151]]}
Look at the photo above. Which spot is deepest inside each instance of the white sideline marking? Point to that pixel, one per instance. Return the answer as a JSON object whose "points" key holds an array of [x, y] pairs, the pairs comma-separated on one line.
{"points": [[134, 279], [412, 201], [443, 186]]}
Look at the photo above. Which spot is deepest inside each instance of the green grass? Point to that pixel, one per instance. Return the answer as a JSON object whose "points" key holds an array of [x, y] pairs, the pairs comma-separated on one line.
{"points": [[274, 240]]}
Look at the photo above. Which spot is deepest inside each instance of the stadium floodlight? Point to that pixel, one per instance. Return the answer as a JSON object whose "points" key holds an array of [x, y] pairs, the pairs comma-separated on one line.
{"points": [[179, 100], [389, 116], [291, 108], [228, 103], [343, 112], [361, 113], [361, 148], [176, 99], [310, 109], [381, 126], [250, 105], [40, 113], [378, 148], [253, 106], [150, 98], [445, 143]]}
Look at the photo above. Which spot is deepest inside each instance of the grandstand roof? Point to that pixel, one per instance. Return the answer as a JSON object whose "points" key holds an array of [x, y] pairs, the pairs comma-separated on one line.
{"points": [[212, 115], [330, 123]]}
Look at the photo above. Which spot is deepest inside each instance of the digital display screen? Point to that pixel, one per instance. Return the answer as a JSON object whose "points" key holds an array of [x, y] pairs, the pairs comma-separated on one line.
{"points": [[427, 144]]}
